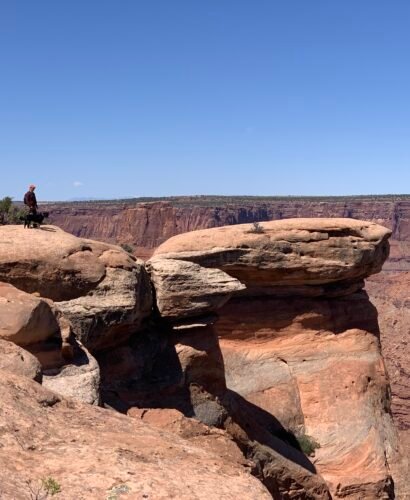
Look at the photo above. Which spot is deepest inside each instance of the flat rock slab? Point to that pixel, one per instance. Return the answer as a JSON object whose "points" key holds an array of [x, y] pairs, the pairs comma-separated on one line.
{"points": [[103, 290], [293, 253]]}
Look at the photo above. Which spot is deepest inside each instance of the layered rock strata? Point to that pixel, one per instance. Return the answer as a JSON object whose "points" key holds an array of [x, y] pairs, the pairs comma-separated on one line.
{"points": [[290, 257], [209, 289], [294, 351], [300, 345], [144, 226], [148, 225]]}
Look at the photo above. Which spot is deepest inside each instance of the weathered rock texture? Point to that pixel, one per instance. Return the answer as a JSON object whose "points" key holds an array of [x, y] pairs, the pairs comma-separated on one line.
{"points": [[24, 318], [100, 288], [16, 360], [79, 379], [207, 438], [209, 289], [300, 345], [147, 225], [295, 257], [316, 366], [295, 353], [390, 293], [91, 453]]}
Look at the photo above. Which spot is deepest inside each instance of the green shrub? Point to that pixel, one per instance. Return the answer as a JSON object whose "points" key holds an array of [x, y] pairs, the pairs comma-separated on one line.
{"points": [[9, 213], [256, 228], [307, 444], [51, 486]]}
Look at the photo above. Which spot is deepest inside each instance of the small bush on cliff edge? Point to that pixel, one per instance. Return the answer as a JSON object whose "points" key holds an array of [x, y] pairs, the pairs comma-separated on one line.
{"points": [[256, 228]]}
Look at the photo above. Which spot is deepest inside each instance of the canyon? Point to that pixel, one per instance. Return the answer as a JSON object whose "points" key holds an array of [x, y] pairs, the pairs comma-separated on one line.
{"points": [[144, 225], [237, 362], [147, 224]]}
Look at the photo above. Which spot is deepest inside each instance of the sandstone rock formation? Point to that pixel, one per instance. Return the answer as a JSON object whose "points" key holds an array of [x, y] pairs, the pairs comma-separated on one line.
{"points": [[148, 225], [100, 288], [16, 360], [300, 345], [90, 453], [51, 355], [79, 379], [209, 289], [309, 363], [297, 256], [207, 438], [24, 318], [288, 383], [390, 293], [36, 324]]}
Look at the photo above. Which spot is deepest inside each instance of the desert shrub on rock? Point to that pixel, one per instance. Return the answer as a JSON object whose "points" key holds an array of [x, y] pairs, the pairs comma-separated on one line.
{"points": [[256, 228], [307, 444], [9, 213]]}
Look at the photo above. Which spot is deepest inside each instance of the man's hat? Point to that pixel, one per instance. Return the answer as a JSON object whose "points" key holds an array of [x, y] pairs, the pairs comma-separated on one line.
{"points": [[31, 186]]}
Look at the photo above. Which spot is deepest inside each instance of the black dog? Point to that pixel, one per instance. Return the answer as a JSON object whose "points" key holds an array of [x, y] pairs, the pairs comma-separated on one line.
{"points": [[35, 219]]}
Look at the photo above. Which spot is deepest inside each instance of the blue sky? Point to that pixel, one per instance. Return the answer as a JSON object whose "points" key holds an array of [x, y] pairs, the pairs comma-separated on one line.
{"points": [[166, 97]]}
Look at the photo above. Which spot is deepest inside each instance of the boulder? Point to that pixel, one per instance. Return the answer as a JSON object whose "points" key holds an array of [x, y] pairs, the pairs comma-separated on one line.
{"points": [[288, 257], [24, 318], [16, 360], [78, 380], [103, 290], [185, 289]]}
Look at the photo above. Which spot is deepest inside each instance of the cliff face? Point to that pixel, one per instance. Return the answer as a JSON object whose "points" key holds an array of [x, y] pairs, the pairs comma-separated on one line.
{"points": [[300, 344], [260, 355], [147, 225], [390, 294]]}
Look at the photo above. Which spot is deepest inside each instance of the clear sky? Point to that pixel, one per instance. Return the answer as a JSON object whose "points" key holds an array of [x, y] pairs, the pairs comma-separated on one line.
{"points": [[115, 98]]}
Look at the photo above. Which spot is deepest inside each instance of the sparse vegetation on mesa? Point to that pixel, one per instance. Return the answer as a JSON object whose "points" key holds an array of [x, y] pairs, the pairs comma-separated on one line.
{"points": [[256, 228], [9, 213], [215, 200]]}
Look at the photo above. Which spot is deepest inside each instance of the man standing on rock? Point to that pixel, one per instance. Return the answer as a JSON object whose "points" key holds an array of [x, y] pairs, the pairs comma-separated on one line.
{"points": [[30, 200]]}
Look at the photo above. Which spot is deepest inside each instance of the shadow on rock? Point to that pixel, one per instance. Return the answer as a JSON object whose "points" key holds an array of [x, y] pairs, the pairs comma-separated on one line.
{"points": [[184, 370]]}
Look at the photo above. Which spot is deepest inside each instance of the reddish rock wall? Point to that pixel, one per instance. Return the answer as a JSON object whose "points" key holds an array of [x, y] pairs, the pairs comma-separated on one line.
{"points": [[147, 225], [294, 349]]}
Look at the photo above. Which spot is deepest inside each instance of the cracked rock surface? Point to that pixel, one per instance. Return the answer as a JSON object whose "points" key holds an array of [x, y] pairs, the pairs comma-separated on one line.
{"points": [[104, 291]]}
